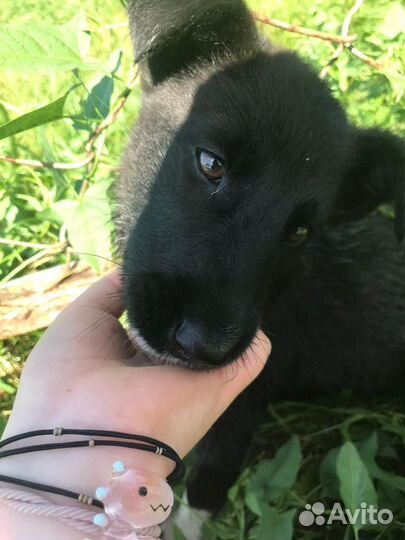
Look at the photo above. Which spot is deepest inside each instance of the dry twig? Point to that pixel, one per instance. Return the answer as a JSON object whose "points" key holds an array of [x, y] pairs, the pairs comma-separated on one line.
{"points": [[19, 243], [44, 255], [295, 29], [34, 300], [107, 122], [345, 32], [345, 40], [37, 164], [92, 154], [376, 64]]}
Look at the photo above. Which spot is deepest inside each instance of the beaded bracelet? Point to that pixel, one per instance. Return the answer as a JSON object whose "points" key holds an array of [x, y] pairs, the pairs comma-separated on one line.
{"points": [[134, 500], [135, 503]]}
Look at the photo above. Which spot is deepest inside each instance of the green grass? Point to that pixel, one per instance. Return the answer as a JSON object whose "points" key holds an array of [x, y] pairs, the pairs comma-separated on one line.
{"points": [[30, 211]]}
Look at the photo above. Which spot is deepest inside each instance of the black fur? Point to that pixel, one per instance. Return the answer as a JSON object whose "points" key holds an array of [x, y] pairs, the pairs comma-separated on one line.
{"points": [[216, 258]]}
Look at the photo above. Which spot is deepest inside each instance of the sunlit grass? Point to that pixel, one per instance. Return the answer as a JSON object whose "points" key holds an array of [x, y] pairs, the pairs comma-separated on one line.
{"points": [[27, 196]]}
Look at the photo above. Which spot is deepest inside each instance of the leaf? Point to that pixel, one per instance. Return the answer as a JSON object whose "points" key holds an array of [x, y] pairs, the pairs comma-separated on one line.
{"points": [[42, 48], [234, 493], [97, 105], [61, 182], [213, 530], [368, 451], [253, 503], [177, 533], [356, 486], [88, 222], [5, 204], [328, 475], [2, 425], [368, 448], [276, 476], [394, 22], [4, 387], [375, 471], [114, 62], [51, 112], [79, 22], [275, 526], [389, 497], [387, 449]]}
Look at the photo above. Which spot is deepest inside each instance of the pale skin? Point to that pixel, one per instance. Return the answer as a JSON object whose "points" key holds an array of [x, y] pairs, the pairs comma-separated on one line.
{"points": [[83, 374]]}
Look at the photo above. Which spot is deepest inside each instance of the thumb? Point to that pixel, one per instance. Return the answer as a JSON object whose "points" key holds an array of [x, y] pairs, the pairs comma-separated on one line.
{"points": [[208, 394], [239, 375]]}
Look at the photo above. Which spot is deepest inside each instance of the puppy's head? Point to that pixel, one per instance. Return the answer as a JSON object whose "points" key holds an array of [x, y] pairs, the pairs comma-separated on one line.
{"points": [[239, 156]]}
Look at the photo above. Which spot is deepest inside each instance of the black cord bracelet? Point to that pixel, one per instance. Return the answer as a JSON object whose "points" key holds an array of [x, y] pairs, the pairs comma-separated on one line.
{"points": [[85, 499], [146, 444]]}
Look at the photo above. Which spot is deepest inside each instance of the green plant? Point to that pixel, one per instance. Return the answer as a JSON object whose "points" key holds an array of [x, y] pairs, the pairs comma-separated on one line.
{"points": [[65, 116], [359, 458]]}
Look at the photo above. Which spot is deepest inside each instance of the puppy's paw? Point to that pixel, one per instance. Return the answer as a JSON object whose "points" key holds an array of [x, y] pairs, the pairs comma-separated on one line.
{"points": [[188, 520]]}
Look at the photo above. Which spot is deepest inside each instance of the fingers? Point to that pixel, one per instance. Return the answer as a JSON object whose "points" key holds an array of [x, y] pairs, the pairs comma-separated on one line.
{"points": [[235, 378], [89, 326], [103, 296], [200, 398]]}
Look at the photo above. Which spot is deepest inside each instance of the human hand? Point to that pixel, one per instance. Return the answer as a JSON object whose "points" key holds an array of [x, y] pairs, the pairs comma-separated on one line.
{"points": [[81, 374]]}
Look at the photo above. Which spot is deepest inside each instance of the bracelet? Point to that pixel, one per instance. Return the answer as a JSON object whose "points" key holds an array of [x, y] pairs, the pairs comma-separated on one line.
{"points": [[146, 444], [80, 497], [30, 503], [136, 502]]}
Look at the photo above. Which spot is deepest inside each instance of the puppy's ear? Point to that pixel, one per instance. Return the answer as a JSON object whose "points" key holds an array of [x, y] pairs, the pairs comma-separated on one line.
{"points": [[170, 35], [377, 176]]}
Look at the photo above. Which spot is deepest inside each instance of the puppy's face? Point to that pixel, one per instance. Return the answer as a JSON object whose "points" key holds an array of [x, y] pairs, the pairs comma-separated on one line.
{"points": [[228, 176], [239, 157]]}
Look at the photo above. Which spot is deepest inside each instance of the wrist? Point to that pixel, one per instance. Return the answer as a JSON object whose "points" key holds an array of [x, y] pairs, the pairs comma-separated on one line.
{"points": [[81, 470]]}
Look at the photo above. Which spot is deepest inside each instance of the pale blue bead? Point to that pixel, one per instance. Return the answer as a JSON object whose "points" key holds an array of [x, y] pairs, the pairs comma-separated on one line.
{"points": [[101, 493], [101, 520], [118, 467]]}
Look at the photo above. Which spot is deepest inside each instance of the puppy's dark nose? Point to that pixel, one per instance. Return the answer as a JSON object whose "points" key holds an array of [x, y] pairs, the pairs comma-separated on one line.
{"points": [[197, 345]]}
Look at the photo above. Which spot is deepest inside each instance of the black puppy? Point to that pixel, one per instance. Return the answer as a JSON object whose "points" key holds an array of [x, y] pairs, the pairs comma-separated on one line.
{"points": [[245, 202]]}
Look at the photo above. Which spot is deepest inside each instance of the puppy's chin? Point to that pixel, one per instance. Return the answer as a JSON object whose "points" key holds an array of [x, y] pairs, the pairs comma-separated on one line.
{"points": [[156, 358], [153, 357]]}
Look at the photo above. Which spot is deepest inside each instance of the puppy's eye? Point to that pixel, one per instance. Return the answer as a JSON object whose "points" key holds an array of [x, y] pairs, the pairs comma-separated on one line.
{"points": [[210, 165], [298, 236]]}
